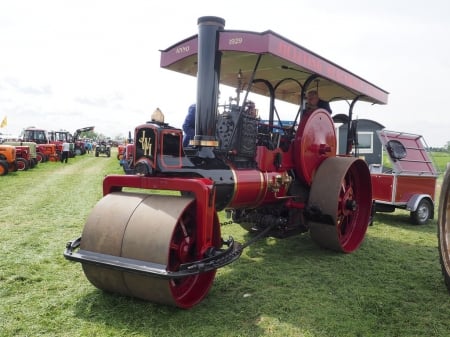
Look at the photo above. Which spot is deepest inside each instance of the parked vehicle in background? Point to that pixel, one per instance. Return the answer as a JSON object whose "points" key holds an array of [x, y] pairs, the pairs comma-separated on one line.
{"points": [[103, 148], [58, 138], [127, 161], [33, 156], [8, 161], [47, 152], [23, 158], [120, 151], [79, 144], [410, 181], [33, 134]]}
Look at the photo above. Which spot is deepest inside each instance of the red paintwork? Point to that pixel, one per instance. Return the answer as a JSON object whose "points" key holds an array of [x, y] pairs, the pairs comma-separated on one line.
{"points": [[254, 188], [120, 151], [182, 57], [202, 188], [399, 189], [314, 142], [411, 175]]}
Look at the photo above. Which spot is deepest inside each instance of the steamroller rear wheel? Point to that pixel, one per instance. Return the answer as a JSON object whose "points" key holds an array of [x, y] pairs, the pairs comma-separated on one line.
{"points": [[153, 228], [341, 195], [444, 228]]}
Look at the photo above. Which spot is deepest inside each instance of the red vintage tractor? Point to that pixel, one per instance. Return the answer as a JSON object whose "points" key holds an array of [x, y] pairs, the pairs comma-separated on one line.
{"points": [[47, 152], [79, 144], [44, 150], [272, 179], [23, 158]]}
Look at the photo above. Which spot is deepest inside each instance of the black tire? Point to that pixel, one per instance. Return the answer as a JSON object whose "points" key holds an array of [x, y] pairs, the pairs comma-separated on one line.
{"points": [[40, 157], [423, 213], [443, 228], [3, 168], [22, 164]]}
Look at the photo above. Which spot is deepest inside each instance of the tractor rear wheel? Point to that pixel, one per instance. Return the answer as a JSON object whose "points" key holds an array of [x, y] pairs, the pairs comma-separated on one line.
{"points": [[444, 228], [152, 228], [341, 197]]}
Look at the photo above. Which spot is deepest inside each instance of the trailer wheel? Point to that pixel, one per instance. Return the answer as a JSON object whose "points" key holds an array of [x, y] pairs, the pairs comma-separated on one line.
{"points": [[423, 212], [444, 228]]}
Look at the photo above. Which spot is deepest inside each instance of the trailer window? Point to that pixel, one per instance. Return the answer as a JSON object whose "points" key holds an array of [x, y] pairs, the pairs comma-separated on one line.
{"points": [[365, 142]]}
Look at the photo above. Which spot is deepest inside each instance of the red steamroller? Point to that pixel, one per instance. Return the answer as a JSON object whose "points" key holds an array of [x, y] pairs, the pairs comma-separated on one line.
{"points": [[271, 177]]}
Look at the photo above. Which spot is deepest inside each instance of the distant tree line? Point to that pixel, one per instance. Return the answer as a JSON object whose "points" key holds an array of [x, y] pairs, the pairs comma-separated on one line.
{"points": [[445, 148]]}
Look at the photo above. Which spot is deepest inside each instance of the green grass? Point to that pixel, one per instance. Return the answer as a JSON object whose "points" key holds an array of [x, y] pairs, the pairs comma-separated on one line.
{"points": [[441, 159], [391, 286]]}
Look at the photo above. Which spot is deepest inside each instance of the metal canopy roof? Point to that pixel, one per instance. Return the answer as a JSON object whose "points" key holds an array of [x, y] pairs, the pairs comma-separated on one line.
{"points": [[281, 61]]}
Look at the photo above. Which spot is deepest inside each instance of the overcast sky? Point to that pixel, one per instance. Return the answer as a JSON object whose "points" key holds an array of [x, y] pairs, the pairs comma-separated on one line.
{"points": [[68, 64]]}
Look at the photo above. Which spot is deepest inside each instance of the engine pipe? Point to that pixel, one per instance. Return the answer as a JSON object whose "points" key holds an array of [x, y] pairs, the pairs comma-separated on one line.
{"points": [[208, 77]]}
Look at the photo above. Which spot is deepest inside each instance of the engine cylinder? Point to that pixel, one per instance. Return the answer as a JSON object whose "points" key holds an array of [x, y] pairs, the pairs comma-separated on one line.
{"points": [[253, 188]]}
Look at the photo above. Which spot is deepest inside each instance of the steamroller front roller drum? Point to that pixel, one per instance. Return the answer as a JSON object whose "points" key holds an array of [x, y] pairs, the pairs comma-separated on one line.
{"points": [[341, 195], [152, 228], [444, 228]]}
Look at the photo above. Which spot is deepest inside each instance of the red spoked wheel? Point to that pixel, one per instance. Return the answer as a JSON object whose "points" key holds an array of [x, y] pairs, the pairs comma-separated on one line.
{"points": [[21, 164], [444, 228], [341, 195], [152, 228]]}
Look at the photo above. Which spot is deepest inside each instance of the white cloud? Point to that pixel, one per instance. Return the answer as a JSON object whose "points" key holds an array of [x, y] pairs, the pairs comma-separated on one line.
{"points": [[70, 64]]}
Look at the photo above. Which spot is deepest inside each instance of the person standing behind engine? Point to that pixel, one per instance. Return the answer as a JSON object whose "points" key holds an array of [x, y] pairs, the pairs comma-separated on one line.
{"points": [[189, 125], [65, 152]]}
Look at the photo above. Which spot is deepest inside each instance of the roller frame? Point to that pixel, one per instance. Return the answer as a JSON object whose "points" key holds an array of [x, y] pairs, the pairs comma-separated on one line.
{"points": [[212, 258], [202, 188], [216, 259]]}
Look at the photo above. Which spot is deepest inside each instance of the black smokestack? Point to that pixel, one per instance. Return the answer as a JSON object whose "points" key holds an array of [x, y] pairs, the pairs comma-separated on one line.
{"points": [[208, 78]]}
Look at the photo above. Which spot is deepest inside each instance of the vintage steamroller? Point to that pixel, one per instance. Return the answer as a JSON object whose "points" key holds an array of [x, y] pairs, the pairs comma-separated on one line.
{"points": [[156, 235]]}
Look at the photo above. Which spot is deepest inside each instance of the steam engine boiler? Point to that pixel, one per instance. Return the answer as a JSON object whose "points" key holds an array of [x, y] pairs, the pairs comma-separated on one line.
{"points": [[156, 235]]}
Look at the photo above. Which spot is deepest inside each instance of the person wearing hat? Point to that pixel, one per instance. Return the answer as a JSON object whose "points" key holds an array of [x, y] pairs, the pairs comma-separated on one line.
{"points": [[314, 102]]}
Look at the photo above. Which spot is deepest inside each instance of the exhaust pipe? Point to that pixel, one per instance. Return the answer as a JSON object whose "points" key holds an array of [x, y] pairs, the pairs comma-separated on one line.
{"points": [[208, 79]]}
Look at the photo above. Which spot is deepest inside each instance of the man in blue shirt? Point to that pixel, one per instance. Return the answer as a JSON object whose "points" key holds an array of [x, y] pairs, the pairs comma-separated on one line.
{"points": [[189, 126]]}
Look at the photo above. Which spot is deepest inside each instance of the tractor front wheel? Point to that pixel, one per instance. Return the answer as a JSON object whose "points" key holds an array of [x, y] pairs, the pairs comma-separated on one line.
{"points": [[22, 164]]}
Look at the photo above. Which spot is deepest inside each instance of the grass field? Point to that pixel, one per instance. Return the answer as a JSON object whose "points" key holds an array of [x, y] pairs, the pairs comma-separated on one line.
{"points": [[391, 286]]}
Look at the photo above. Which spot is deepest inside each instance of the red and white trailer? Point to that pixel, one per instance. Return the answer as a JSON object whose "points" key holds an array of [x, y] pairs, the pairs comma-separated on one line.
{"points": [[410, 182]]}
